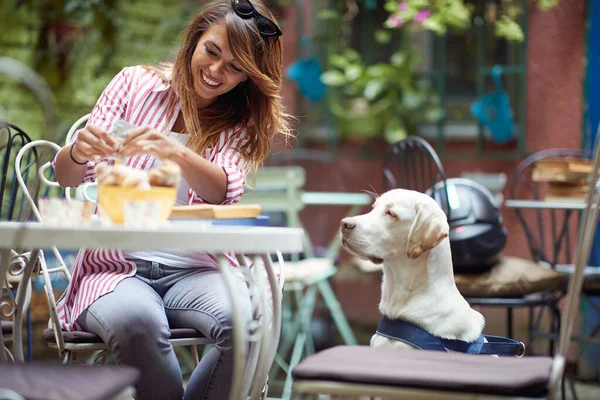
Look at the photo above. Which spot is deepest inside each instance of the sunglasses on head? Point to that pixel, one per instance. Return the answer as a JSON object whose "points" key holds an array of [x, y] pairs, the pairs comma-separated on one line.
{"points": [[245, 10]]}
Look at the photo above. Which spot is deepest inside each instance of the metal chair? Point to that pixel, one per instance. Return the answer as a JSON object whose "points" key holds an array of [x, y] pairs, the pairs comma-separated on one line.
{"points": [[399, 373], [413, 164], [550, 232], [69, 344], [13, 207]]}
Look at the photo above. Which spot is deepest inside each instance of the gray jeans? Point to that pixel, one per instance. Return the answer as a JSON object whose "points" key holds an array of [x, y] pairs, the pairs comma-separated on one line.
{"points": [[134, 321]]}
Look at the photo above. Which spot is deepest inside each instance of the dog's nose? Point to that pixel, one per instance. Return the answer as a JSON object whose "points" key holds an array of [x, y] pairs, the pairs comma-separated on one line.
{"points": [[347, 224]]}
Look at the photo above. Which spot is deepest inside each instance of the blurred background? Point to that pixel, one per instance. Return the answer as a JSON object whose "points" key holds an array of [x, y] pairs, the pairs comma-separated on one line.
{"points": [[485, 82]]}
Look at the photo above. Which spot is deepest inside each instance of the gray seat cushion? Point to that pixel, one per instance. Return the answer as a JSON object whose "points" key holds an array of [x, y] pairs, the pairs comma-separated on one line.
{"points": [[50, 381], [87, 337], [431, 370], [7, 327]]}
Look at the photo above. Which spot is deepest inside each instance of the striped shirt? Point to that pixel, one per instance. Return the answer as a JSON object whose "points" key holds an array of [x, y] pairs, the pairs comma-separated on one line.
{"points": [[140, 97]]}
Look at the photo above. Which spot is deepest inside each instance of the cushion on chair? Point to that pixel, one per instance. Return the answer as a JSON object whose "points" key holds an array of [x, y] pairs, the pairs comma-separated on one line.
{"points": [[72, 337], [511, 277], [310, 269], [431, 370], [185, 333], [51, 381], [87, 337]]}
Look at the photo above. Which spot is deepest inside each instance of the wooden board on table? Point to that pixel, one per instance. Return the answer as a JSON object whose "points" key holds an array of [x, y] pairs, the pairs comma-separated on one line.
{"points": [[562, 170], [210, 211], [561, 189]]}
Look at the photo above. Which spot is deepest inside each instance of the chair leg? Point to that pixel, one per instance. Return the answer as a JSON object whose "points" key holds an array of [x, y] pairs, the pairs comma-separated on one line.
{"points": [[509, 320], [294, 360], [306, 304], [336, 312], [572, 387], [68, 357], [195, 357], [529, 331], [555, 327], [297, 324]]}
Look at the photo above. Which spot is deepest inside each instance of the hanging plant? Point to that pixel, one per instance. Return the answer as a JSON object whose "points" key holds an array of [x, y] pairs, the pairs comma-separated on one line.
{"points": [[441, 15]]}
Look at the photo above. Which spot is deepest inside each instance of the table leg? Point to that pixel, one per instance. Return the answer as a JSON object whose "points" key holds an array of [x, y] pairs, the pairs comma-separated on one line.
{"points": [[271, 325], [257, 326], [239, 335]]}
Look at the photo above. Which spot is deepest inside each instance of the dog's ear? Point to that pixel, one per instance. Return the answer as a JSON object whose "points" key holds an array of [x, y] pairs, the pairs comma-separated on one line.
{"points": [[428, 229]]}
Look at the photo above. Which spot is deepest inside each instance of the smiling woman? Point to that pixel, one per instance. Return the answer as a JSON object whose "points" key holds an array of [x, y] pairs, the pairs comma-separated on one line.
{"points": [[213, 112], [215, 71]]}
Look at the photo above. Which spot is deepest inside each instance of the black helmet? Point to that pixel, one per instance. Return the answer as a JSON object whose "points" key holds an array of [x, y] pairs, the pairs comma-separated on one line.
{"points": [[477, 234]]}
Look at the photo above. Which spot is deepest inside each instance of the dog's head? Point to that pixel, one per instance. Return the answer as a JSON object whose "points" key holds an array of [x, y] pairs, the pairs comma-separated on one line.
{"points": [[403, 223]]}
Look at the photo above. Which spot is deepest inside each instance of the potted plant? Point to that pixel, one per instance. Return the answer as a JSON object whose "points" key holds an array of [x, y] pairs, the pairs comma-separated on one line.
{"points": [[386, 98], [390, 98]]}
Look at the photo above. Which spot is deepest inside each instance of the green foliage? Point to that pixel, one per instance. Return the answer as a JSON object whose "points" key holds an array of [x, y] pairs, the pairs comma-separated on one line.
{"points": [[440, 15], [359, 89], [391, 93]]}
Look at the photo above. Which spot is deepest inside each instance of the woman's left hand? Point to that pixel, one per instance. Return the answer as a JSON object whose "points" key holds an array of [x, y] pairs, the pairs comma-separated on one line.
{"points": [[146, 140]]}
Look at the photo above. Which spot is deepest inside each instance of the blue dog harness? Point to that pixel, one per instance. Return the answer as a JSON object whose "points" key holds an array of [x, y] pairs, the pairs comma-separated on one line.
{"points": [[413, 335]]}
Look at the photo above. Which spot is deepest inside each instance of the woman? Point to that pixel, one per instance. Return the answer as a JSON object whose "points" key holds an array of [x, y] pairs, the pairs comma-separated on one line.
{"points": [[213, 112]]}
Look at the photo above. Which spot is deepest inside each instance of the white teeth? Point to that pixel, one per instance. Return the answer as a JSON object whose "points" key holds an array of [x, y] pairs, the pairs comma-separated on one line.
{"points": [[209, 81]]}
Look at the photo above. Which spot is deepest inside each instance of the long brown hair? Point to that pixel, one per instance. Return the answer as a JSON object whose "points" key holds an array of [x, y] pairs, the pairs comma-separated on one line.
{"points": [[255, 104]]}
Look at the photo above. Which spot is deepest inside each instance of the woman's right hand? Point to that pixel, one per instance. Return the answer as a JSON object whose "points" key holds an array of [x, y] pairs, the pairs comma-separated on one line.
{"points": [[92, 144]]}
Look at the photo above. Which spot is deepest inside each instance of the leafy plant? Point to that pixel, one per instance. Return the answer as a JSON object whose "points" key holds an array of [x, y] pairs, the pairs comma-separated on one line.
{"points": [[440, 15], [408, 100]]}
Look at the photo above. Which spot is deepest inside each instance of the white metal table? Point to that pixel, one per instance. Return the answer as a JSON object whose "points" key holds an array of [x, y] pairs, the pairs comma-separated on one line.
{"points": [[256, 242]]}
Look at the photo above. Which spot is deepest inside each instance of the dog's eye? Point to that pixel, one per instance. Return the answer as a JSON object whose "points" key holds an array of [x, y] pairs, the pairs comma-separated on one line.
{"points": [[389, 213]]}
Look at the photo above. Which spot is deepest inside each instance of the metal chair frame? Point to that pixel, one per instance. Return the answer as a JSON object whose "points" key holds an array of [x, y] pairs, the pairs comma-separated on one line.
{"points": [[13, 207], [551, 245], [413, 164]]}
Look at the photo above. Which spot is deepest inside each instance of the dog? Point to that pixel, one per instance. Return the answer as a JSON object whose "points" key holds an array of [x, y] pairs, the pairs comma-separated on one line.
{"points": [[407, 232]]}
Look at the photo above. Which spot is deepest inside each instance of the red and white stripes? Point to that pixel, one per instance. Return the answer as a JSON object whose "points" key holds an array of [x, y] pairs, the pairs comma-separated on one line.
{"points": [[140, 97]]}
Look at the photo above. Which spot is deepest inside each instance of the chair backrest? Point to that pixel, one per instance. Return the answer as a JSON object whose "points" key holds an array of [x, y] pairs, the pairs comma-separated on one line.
{"points": [[12, 204], [40, 148], [550, 233], [278, 190], [413, 164], [77, 125], [585, 240]]}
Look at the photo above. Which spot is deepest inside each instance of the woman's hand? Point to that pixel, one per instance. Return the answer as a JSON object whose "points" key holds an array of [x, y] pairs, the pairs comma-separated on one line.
{"points": [[146, 140], [92, 144]]}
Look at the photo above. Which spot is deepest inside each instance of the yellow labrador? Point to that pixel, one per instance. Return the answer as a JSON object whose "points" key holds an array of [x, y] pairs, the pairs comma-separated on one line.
{"points": [[407, 232]]}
